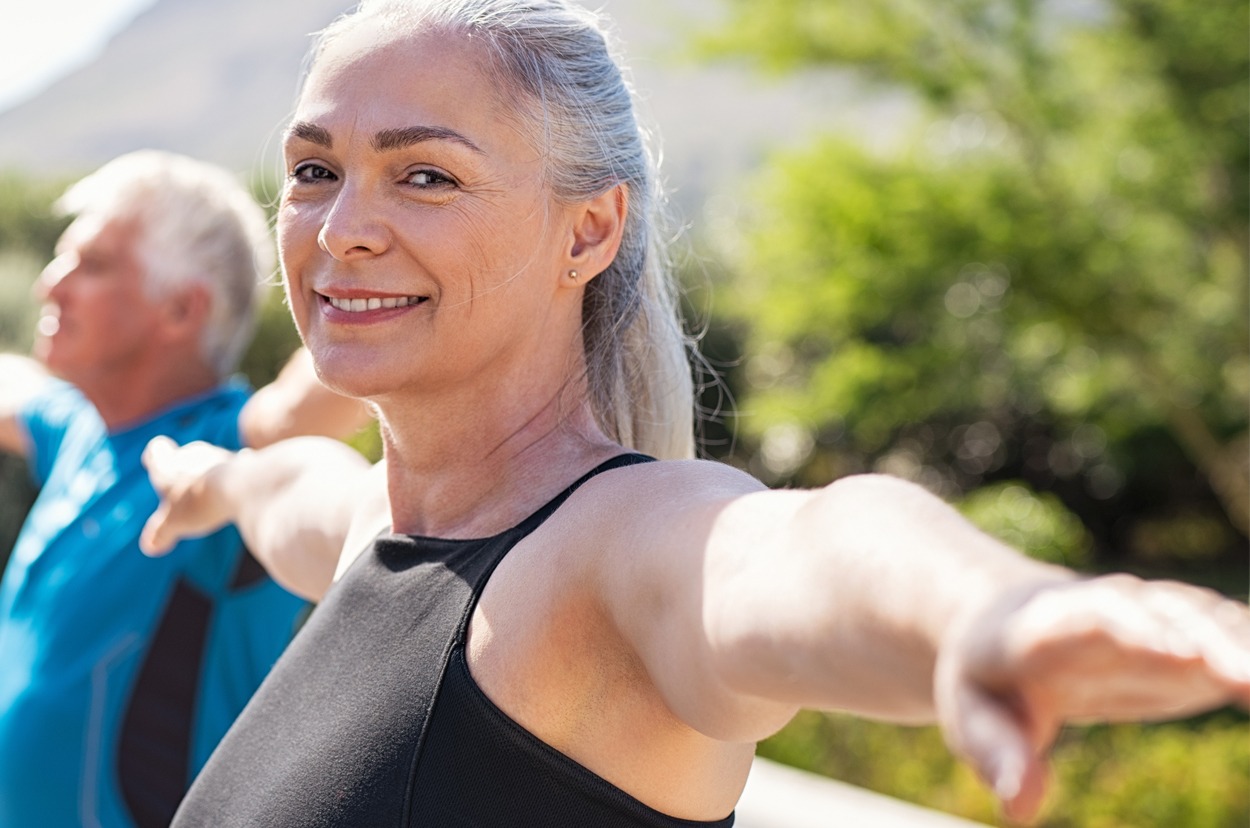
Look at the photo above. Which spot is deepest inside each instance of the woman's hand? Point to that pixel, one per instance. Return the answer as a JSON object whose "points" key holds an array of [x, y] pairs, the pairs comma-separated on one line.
{"points": [[1113, 648], [191, 506]]}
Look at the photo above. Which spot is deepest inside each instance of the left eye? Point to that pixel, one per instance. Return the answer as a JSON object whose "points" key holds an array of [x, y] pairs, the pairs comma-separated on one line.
{"points": [[427, 178]]}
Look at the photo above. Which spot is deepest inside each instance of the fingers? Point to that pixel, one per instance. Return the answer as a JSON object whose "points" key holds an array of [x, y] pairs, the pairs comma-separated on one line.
{"points": [[158, 458], [1213, 629], [1113, 648], [154, 541], [177, 473], [157, 450], [1121, 649], [1007, 752]]}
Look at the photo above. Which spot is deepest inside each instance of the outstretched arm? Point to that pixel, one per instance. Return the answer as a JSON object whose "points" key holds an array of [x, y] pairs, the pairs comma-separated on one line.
{"points": [[20, 379], [296, 404], [293, 502], [873, 596]]}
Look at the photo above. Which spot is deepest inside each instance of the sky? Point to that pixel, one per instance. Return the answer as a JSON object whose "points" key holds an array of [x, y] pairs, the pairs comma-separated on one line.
{"points": [[43, 39]]}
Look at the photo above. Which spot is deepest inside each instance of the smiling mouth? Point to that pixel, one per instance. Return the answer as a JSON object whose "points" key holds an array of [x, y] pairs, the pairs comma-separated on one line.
{"points": [[359, 305]]}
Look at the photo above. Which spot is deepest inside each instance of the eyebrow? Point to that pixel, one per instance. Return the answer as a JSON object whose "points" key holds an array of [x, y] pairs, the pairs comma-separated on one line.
{"points": [[311, 133], [385, 140], [393, 139]]}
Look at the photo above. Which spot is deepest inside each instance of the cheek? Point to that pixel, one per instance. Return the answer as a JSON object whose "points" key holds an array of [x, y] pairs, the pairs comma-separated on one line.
{"points": [[297, 242], [296, 229], [295, 302], [494, 250], [125, 308]]}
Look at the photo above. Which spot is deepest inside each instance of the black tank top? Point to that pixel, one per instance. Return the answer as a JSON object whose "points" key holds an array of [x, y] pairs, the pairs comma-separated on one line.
{"points": [[371, 718]]}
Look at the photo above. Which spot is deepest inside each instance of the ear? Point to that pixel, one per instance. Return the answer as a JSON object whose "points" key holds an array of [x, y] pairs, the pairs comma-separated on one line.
{"points": [[184, 312], [597, 228]]}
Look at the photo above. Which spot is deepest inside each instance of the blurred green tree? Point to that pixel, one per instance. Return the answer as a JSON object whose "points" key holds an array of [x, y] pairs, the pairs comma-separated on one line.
{"points": [[28, 232], [1048, 282]]}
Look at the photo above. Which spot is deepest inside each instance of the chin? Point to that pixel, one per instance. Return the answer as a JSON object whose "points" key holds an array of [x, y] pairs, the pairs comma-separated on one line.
{"points": [[353, 373], [47, 355]]}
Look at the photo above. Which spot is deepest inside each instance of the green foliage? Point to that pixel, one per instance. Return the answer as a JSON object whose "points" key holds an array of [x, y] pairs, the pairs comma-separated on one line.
{"points": [[1144, 776], [1161, 775], [368, 441], [1036, 523], [274, 341], [27, 221], [1049, 283], [19, 269], [1036, 308], [28, 233]]}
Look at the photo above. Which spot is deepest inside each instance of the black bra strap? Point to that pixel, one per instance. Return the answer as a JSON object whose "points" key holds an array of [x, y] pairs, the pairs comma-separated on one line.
{"points": [[618, 462]]}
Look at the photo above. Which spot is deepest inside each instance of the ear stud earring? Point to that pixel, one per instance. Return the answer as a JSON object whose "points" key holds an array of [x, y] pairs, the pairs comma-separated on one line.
{"points": [[573, 275]]}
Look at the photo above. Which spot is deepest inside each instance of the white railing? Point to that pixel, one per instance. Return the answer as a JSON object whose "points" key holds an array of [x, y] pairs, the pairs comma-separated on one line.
{"points": [[777, 796]]}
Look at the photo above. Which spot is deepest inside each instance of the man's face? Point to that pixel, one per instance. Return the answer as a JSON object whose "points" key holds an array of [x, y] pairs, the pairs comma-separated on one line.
{"points": [[96, 322]]}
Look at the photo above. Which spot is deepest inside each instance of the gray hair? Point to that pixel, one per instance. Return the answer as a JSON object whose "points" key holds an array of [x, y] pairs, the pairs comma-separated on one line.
{"points": [[196, 225], [557, 56]]}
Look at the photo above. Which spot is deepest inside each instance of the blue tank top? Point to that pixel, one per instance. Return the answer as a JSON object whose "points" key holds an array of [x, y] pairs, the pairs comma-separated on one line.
{"points": [[371, 718]]}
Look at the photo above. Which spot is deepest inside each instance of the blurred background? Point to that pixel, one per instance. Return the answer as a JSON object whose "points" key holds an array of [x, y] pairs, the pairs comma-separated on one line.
{"points": [[998, 247]]}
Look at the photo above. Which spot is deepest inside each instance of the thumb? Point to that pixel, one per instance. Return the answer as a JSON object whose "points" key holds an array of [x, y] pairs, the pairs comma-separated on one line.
{"points": [[989, 734], [153, 540]]}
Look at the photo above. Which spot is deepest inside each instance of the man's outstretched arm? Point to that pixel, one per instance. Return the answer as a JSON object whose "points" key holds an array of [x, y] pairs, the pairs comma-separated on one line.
{"points": [[20, 379]]}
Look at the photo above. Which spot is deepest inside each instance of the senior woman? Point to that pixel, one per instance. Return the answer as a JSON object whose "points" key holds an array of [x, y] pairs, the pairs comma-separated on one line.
{"points": [[530, 623]]}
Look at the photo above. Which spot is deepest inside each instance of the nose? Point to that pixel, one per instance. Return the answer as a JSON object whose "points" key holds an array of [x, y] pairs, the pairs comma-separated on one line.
{"points": [[51, 281], [353, 228]]}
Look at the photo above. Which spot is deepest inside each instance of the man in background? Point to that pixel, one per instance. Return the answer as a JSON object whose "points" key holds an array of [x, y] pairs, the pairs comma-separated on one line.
{"points": [[119, 673]]}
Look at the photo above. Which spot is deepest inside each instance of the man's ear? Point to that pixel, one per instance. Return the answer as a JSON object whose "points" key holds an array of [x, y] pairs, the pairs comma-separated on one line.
{"points": [[597, 228], [185, 312]]}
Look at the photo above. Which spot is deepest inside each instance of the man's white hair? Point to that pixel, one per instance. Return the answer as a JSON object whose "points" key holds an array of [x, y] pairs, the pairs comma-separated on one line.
{"points": [[196, 224]]}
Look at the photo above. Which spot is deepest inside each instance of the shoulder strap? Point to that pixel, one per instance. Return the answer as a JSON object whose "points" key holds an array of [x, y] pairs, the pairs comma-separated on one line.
{"points": [[618, 462]]}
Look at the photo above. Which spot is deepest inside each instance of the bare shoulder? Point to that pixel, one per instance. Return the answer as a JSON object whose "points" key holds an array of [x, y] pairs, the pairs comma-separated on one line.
{"points": [[680, 483], [644, 551], [648, 519], [668, 495]]}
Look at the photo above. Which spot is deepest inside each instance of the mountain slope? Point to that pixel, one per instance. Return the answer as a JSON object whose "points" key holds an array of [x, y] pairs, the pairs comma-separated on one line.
{"points": [[216, 78], [211, 78]]}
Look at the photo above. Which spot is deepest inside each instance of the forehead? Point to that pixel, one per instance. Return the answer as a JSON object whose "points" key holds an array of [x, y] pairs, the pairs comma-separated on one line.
{"points": [[100, 232], [370, 78]]}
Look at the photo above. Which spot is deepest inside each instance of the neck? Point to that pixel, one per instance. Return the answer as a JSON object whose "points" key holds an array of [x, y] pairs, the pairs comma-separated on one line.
{"points": [[475, 465], [125, 398]]}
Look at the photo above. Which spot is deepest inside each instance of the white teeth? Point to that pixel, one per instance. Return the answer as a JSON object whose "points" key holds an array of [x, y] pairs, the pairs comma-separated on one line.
{"points": [[372, 303]]}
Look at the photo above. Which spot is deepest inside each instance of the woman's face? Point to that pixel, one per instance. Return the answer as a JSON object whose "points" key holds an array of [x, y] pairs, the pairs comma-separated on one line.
{"points": [[419, 243]]}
